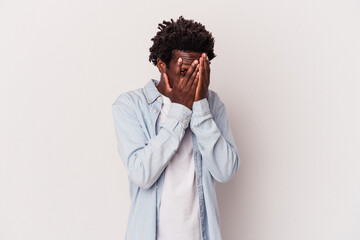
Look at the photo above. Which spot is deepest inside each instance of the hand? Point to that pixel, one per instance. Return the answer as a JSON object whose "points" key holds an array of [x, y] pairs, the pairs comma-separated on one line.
{"points": [[183, 90], [204, 78]]}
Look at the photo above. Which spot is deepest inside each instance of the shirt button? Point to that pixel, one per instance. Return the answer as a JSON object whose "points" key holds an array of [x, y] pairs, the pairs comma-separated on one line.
{"points": [[157, 186], [155, 110], [159, 98], [188, 117]]}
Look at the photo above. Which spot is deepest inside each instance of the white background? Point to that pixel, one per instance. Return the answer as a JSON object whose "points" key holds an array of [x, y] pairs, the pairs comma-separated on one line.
{"points": [[287, 71]]}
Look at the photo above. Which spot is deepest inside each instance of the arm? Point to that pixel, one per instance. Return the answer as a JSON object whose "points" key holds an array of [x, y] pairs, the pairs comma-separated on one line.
{"points": [[215, 140], [145, 159]]}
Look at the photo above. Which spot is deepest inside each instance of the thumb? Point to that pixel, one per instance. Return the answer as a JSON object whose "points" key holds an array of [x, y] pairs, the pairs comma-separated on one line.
{"points": [[167, 84]]}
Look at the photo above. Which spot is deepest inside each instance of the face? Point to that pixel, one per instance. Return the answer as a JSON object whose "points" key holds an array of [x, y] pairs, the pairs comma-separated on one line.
{"points": [[187, 57]]}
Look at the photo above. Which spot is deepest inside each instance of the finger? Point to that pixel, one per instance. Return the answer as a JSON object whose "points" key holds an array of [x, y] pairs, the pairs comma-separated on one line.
{"points": [[167, 84], [207, 68], [190, 71], [196, 82], [204, 56], [203, 64], [193, 76], [177, 70], [201, 70]]}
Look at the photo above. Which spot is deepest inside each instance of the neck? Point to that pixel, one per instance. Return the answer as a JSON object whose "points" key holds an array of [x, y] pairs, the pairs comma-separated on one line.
{"points": [[161, 88]]}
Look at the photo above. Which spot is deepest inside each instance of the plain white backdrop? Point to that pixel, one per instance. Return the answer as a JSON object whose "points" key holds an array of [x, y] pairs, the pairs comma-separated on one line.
{"points": [[287, 71]]}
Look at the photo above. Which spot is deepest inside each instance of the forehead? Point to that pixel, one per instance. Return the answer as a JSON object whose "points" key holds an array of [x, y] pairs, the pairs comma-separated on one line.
{"points": [[187, 57]]}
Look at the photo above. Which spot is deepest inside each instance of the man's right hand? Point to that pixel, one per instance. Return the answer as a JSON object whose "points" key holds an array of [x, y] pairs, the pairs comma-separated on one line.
{"points": [[184, 88]]}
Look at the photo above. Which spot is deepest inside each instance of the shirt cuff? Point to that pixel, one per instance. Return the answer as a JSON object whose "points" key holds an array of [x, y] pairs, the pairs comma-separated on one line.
{"points": [[180, 112], [200, 108]]}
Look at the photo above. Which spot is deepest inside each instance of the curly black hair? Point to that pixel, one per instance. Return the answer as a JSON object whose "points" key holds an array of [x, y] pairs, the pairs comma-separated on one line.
{"points": [[185, 35]]}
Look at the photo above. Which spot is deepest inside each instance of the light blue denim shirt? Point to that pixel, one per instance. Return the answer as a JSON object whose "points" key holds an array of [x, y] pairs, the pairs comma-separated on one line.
{"points": [[146, 152]]}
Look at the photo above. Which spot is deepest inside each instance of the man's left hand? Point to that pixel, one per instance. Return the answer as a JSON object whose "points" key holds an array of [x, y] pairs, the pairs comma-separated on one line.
{"points": [[204, 78]]}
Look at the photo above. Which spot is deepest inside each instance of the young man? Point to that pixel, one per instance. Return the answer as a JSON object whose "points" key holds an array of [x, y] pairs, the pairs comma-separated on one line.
{"points": [[175, 141]]}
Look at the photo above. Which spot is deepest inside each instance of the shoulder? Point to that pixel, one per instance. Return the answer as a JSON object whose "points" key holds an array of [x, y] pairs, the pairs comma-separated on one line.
{"points": [[214, 99], [131, 98], [130, 103], [217, 107]]}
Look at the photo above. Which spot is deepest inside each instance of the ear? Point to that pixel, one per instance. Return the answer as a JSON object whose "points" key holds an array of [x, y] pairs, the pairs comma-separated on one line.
{"points": [[161, 66]]}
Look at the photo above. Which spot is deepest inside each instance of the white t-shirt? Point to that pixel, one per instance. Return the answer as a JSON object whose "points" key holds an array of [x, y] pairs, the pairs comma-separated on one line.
{"points": [[179, 217]]}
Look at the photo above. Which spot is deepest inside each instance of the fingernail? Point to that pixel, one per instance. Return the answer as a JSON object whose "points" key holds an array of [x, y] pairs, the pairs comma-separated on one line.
{"points": [[179, 60], [196, 62]]}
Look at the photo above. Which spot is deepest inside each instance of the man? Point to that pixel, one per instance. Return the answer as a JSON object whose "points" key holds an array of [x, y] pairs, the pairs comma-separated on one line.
{"points": [[174, 139]]}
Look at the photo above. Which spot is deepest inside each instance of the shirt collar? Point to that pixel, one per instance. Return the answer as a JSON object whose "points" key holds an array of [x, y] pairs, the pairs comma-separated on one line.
{"points": [[151, 92]]}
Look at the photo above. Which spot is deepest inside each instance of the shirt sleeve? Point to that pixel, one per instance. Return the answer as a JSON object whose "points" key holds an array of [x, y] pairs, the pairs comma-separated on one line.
{"points": [[145, 158], [215, 141]]}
